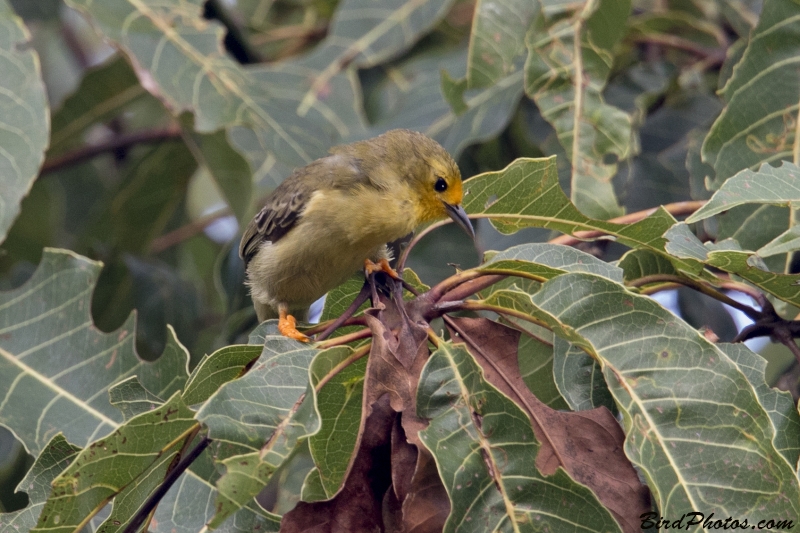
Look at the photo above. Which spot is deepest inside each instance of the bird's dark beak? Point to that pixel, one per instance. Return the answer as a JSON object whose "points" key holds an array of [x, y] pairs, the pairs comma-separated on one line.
{"points": [[459, 216]]}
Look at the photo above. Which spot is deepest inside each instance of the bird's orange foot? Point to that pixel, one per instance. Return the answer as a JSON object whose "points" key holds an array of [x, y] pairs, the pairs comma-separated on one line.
{"points": [[287, 325], [381, 266]]}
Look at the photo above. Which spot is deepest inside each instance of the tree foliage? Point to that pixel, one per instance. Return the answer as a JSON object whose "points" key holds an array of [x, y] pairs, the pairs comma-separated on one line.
{"points": [[537, 387]]}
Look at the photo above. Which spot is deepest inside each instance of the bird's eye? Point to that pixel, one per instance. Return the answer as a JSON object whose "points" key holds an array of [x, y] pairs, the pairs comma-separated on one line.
{"points": [[440, 185]]}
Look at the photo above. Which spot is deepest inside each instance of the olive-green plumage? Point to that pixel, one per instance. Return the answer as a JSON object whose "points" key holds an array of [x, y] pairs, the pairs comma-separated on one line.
{"points": [[319, 226]]}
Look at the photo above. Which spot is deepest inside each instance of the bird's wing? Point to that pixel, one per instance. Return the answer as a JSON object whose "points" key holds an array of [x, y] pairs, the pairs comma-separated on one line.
{"points": [[285, 205], [275, 219]]}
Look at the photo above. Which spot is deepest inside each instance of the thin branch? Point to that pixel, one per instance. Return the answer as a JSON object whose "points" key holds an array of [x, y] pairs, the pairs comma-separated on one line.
{"points": [[675, 209], [471, 305], [344, 339], [155, 498], [700, 287], [177, 236], [116, 143], [401, 261], [673, 41], [349, 312]]}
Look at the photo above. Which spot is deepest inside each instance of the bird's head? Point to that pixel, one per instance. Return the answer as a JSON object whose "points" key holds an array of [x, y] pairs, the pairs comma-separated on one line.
{"points": [[437, 181]]}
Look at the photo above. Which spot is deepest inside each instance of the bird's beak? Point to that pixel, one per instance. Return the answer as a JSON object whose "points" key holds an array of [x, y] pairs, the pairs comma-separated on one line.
{"points": [[459, 216]]}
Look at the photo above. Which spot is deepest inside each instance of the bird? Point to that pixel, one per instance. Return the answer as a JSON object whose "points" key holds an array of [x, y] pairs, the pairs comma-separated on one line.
{"points": [[334, 216]]}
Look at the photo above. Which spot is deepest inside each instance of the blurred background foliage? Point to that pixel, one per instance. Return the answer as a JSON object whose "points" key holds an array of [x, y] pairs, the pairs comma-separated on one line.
{"points": [[155, 182]]}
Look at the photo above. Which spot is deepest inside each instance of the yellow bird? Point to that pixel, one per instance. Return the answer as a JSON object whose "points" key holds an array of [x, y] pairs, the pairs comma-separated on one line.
{"points": [[335, 216]]}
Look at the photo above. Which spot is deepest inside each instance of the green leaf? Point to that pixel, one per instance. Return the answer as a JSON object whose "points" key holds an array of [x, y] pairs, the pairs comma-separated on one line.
{"points": [[640, 263], [769, 185], [786, 242], [411, 97], [727, 256], [48, 344], [758, 124], [527, 194], [132, 399], [24, 125], [497, 39], [104, 92], [219, 368], [485, 451], [535, 360], [546, 261], [579, 378], [179, 57], [339, 403], [115, 463], [55, 457], [568, 65], [685, 404], [778, 404], [263, 415], [188, 507]]}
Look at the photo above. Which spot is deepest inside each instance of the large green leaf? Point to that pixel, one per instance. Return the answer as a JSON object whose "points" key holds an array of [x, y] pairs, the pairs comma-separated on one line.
{"points": [[759, 123], [339, 403], [24, 121], [262, 415], [485, 451], [543, 260], [56, 366], [178, 57], [527, 194], [689, 413], [116, 463], [567, 68]]}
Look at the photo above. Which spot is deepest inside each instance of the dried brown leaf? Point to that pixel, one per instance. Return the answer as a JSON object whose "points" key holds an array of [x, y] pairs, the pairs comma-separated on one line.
{"points": [[587, 444], [357, 507]]}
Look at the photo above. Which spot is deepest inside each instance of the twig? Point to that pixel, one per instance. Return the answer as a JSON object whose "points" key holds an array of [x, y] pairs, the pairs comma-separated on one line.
{"points": [[349, 312], [673, 41], [183, 233], [344, 339], [700, 287], [675, 209], [401, 262], [155, 498], [116, 143]]}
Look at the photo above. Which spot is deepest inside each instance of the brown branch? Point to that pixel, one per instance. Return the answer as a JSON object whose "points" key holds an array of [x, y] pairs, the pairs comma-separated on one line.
{"points": [[401, 261], [673, 41], [698, 286], [183, 233], [116, 143], [344, 339], [675, 209]]}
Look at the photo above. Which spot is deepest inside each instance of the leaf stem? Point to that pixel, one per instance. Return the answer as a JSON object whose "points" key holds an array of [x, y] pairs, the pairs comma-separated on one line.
{"points": [[355, 356]]}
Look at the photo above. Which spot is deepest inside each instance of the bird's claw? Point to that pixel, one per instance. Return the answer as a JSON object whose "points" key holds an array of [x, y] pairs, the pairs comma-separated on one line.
{"points": [[381, 266], [287, 325]]}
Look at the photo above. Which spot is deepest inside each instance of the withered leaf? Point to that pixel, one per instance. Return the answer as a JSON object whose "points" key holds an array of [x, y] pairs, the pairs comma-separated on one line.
{"points": [[587, 444]]}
